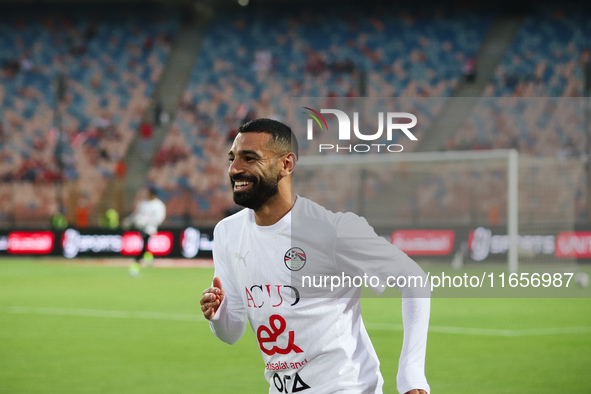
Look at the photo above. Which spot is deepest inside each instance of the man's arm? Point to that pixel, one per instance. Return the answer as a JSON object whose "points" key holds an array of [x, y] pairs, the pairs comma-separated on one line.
{"points": [[161, 214], [416, 309], [228, 325], [364, 252], [221, 303], [411, 366]]}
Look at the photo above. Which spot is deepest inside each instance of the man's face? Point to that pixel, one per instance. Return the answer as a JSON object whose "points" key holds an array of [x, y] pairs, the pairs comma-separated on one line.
{"points": [[254, 169]]}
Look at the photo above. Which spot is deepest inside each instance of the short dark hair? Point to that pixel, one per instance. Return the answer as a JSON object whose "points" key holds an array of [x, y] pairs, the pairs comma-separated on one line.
{"points": [[281, 133], [153, 191]]}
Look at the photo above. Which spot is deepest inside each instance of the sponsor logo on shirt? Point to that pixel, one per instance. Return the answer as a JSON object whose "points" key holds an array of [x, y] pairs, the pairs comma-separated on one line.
{"points": [[258, 295], [267, 336]]}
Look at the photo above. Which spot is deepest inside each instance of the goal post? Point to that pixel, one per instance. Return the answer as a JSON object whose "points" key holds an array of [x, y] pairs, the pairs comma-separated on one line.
{"points": [[451, 189], [512, 209]]}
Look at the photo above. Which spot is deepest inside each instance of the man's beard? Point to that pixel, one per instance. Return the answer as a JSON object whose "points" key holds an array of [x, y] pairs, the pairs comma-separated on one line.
{"points": [[258, 194]]}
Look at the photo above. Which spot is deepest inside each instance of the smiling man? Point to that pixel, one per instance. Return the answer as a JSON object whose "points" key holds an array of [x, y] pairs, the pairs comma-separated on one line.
{"points": [[311, 341]]}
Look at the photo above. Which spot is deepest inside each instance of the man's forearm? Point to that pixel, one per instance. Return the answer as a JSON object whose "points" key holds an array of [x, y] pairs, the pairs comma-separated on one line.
{"points": [[228, 325], [411, 367]]}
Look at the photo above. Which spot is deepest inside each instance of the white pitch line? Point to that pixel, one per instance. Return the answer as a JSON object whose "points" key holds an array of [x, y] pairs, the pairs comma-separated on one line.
{"points": [[26, 310], [494, 332]]}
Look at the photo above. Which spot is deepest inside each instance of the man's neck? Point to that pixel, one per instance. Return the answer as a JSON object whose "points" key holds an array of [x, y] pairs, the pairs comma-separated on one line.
{"points": [[275, 209]]}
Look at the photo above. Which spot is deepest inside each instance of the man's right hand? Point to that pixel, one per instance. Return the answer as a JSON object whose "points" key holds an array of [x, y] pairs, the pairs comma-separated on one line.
{"points": [[212, 299]]}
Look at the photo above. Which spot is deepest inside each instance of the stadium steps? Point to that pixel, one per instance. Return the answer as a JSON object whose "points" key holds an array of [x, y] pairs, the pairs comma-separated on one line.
{"points": [[168, 91], [490, 55]]}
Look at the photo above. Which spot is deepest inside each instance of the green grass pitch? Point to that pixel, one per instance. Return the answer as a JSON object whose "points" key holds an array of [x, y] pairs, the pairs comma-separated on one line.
{"points": [[84, 328]]}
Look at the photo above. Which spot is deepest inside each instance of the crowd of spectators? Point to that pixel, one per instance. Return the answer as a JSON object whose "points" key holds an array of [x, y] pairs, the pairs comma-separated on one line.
{"points": [[253, 63], [74, 83], [536, 103]]}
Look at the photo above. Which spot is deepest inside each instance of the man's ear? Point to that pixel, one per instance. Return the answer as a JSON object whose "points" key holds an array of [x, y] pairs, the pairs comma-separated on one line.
{"points": [[288, 163]]}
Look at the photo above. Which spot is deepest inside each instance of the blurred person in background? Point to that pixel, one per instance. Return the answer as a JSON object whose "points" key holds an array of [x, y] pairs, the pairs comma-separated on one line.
{"points": [[147, 216], [109, 220], [58, 220]]}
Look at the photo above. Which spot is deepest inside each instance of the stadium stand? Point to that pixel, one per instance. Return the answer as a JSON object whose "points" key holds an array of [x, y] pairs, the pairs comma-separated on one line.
{"points": [[546, 60], [544, 68], [546, 57], [251, 62], [109, 62]]}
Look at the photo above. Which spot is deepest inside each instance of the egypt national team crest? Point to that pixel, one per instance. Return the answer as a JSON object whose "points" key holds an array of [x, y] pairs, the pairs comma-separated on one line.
{"points": [[294, 259]]}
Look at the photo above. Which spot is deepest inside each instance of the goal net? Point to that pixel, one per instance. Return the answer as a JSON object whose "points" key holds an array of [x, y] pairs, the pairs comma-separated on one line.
{"points": [[500, 207]]}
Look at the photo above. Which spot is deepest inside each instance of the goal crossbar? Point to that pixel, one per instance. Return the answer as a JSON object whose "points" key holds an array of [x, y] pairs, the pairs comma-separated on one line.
{"points": [[511, 155]]}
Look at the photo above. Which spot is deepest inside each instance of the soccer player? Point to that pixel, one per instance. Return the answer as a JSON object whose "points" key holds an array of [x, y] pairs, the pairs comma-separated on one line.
{"points": [[311, 340], [147, 216]]}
